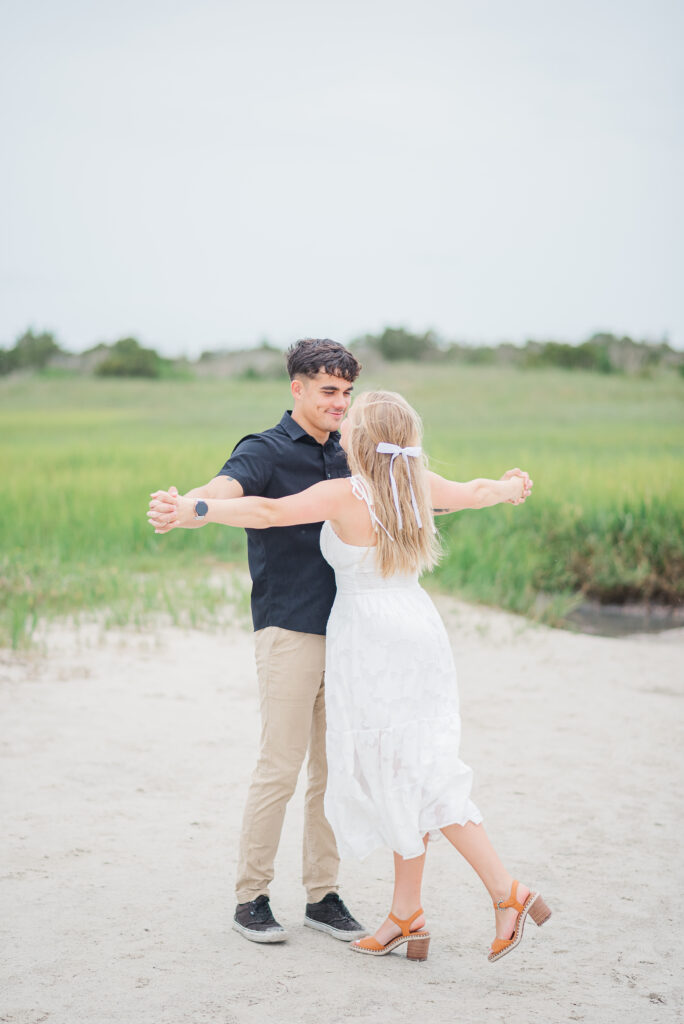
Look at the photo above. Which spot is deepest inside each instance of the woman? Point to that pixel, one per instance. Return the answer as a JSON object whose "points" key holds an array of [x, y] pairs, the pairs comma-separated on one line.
{"points": [[393, 725]]}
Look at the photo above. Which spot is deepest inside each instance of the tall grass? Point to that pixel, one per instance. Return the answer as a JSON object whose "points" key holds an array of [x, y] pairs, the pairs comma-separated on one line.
{"points": [[79, 457]]}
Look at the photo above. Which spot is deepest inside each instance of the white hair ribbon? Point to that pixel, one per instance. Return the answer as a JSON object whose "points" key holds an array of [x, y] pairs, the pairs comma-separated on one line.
{"points": [[394, 450]]}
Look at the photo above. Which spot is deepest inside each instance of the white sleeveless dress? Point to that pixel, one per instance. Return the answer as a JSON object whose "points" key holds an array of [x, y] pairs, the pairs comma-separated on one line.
{"points": [[392, 709]]}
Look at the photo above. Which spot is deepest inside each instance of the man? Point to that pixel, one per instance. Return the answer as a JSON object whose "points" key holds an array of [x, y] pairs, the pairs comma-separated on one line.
{"points": [[293, 589]]}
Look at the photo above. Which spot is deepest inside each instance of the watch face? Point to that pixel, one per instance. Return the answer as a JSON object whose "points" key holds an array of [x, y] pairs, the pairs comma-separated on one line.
{"points": [[201, 509]]}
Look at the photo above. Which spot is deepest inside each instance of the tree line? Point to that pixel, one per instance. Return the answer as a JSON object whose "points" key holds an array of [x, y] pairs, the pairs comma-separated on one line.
{"points": [[602, 353]]}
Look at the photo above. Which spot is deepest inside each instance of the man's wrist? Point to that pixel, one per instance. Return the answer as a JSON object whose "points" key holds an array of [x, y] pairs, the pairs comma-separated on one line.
{"points": [[201, 510]]}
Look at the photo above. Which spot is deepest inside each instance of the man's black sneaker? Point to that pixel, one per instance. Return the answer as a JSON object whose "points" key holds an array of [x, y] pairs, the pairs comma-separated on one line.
{"points": [[256, 922], [331, 915]]}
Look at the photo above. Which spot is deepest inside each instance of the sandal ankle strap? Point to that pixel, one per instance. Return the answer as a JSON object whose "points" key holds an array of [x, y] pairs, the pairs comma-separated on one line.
{"points": [[512, 900], [405, 925]]}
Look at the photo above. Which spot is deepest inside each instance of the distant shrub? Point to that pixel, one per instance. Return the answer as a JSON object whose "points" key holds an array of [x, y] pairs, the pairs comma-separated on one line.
{"points": [[127, 358], [397, 343], [34, 350], [31, 352], [590, 355], [6, 362]]}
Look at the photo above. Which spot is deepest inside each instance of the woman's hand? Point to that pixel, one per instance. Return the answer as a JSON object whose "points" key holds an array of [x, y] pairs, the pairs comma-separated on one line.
{"points": [[526, 488], [168, 511]]}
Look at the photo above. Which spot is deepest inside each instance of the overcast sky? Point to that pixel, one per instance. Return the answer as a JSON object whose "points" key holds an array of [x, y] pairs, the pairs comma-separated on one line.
{"points": [[207, 174]]}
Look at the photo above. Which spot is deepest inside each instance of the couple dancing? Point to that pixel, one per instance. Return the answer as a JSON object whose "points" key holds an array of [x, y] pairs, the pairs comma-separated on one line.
{"points": [[344, 631]]}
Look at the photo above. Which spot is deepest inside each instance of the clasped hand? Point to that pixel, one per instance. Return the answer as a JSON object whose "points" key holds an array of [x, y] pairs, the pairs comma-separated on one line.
{"points": [[527, 485], [169, 510]]}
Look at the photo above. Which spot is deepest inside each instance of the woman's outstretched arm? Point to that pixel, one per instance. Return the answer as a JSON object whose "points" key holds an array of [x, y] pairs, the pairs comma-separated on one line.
{"points": [[169, 511], [450, 496]]}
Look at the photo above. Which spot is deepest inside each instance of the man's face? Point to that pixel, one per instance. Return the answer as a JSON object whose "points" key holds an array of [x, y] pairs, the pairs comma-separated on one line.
{"points": [[323, 400]]}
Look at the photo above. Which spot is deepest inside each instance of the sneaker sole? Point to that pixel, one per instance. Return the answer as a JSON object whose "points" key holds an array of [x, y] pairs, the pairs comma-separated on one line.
{"points": [[253, 936], [335, 932]]}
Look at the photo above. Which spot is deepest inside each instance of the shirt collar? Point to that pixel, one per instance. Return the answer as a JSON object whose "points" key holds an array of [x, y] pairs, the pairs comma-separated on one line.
{"points": [[297, 432]]}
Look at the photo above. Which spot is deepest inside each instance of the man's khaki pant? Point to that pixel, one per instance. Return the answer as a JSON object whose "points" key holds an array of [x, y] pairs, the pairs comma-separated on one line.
{"points": [[291, 673]]}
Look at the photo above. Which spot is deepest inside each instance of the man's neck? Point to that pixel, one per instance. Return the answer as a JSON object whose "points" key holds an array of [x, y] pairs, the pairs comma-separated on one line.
{"points": [[320, 435]]}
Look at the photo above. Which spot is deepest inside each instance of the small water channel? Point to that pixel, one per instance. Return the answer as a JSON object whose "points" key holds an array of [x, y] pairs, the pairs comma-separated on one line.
{"points": [[624, 620]]}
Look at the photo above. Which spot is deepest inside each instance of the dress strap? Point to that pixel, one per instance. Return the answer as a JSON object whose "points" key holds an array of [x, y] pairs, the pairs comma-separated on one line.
{"points": [[361, 490]]}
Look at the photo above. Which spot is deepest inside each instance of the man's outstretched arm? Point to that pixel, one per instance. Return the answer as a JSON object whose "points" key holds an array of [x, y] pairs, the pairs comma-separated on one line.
{"points": [[221, 486]]}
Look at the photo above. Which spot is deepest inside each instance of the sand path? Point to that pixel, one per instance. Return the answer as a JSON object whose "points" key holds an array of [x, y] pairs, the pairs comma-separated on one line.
{"points": [[125, 761]]}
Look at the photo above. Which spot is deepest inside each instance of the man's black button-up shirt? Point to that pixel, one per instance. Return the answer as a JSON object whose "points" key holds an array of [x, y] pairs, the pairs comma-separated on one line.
{"points": [[292, 585]]}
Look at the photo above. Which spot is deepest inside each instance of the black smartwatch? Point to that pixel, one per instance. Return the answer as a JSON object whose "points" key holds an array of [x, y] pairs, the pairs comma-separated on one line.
{"points": [[201, 509]]}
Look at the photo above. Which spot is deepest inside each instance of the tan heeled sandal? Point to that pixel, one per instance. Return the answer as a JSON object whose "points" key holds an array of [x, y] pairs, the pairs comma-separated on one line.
{"points": [[417, 942], [534, 905]]}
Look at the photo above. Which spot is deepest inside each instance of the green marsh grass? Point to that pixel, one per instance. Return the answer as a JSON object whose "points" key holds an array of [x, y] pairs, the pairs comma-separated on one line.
{"points": [[79, 457]]}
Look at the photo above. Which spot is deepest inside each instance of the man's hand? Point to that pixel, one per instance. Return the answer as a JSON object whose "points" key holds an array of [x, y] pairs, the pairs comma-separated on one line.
{"points": [[168, 511], [527, 485]]}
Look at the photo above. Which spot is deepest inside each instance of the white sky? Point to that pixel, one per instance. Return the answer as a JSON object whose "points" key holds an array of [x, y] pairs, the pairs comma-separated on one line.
{"points": [[207, 174]]}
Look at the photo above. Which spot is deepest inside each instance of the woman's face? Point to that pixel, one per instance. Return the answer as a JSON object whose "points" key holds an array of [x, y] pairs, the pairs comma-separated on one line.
{"points": [[345, 430], [344, 434]]}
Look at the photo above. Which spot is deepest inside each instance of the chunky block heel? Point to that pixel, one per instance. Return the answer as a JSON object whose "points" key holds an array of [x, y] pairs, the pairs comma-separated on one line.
{"points": [[417, 949], [539, 912]]}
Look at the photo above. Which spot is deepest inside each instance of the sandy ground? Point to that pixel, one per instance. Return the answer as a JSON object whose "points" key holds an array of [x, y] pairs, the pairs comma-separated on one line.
{"points": [[125, 760]]}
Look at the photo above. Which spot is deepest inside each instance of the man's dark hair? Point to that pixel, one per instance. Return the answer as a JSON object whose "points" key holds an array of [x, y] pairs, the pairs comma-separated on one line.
{"points": [[309, 355]]}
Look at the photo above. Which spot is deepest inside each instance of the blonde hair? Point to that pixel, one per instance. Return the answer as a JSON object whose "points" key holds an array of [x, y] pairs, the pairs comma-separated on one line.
{"points": [[379, 416]]}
